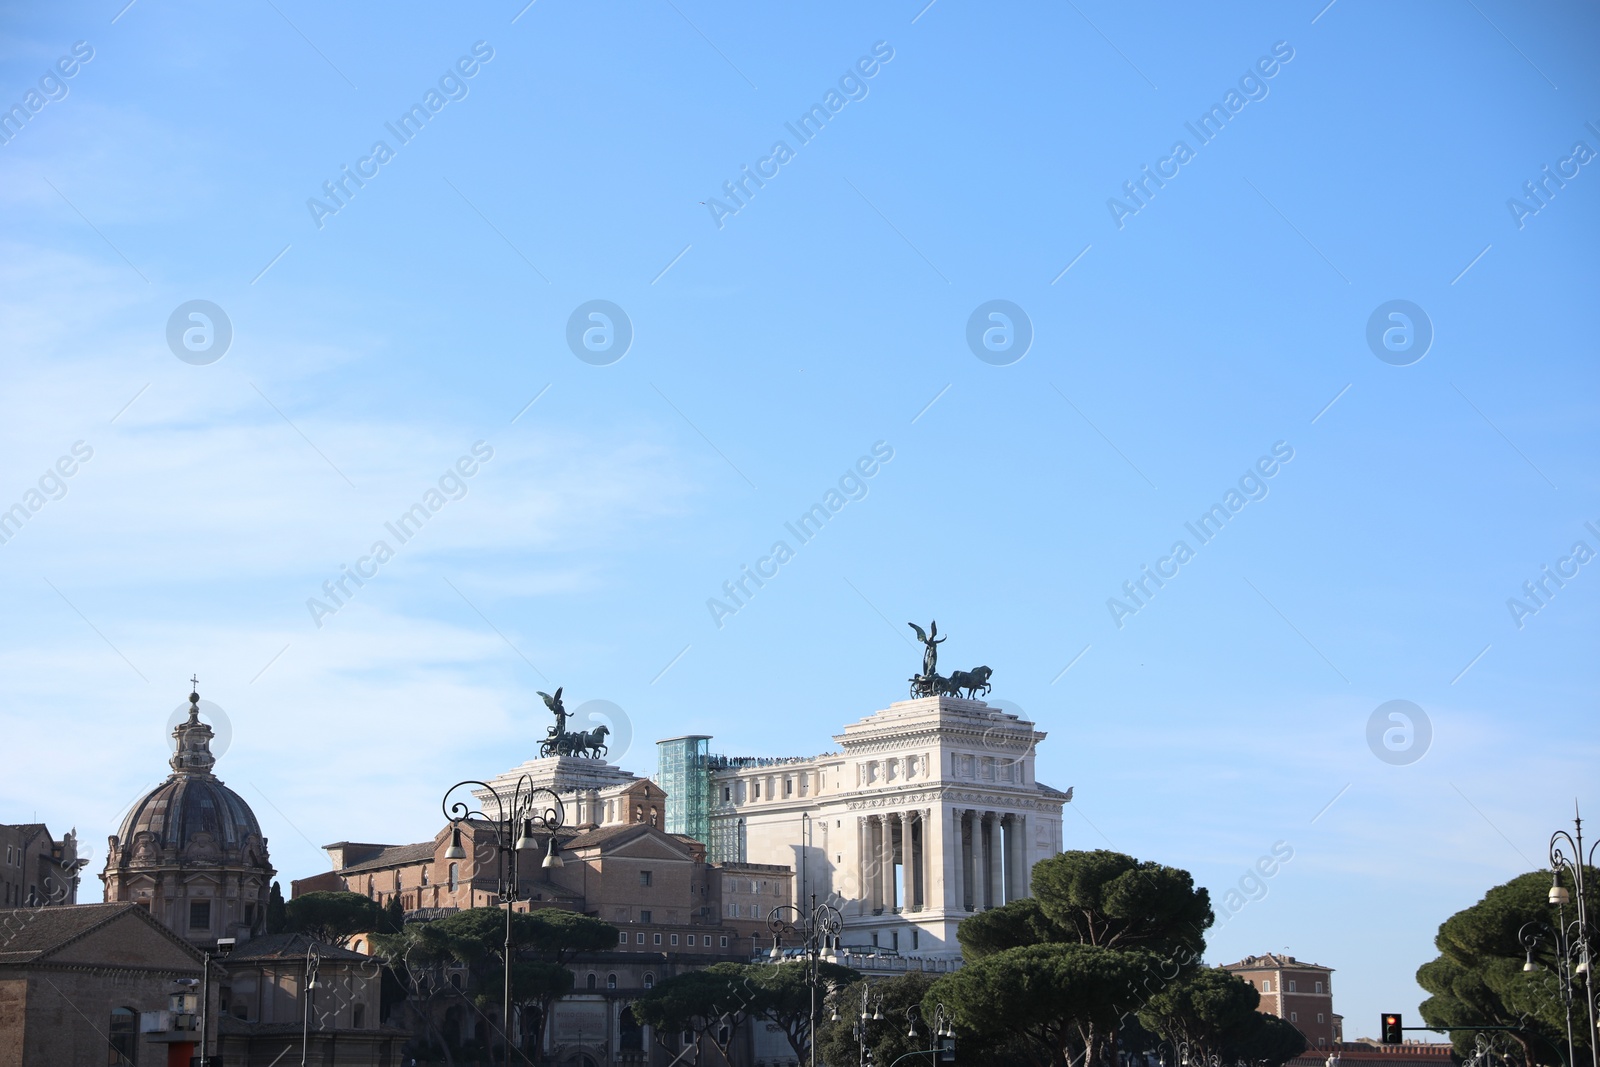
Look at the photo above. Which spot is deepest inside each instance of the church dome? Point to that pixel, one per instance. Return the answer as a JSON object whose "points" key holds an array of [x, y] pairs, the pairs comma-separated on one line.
{"points": [[186, 805], [191, 850], [192, 814]]}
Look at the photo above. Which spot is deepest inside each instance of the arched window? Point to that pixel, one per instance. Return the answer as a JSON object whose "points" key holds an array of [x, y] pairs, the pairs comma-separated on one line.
{"points": [[372, 884], [124, 1034], [649, 980], [424, 876], [590, 982], [455, 980], [454, 876], [611, 981]]}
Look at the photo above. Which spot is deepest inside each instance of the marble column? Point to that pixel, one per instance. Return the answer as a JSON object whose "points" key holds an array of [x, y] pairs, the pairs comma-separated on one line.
{"points": [[955, 881], [975, 859], [886, 861], [1019, 824], [991, 859], [874, 863], [1008, 857], [863, 887], [996, 859], [908, 870]]}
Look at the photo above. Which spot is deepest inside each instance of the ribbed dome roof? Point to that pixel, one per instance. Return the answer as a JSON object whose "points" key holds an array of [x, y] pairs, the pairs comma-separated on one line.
{"points": [[187, 804]]}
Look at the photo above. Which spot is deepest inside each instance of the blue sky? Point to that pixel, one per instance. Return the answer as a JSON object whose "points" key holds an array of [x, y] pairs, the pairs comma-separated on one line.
{"points": [[584, 158]]}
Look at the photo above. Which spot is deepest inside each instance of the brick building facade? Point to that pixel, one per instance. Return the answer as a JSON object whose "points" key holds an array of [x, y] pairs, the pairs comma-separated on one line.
{"points": [[38, 869], [1299, 992], [75, 982]]}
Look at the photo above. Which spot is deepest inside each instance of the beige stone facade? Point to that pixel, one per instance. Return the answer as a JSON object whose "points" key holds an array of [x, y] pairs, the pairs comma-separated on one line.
{"points": [[929, 812], [283, 988], [656, 886]]}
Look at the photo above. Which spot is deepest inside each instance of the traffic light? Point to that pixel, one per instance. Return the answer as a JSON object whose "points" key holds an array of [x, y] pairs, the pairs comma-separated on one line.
{"points": [[1392, 1028]]}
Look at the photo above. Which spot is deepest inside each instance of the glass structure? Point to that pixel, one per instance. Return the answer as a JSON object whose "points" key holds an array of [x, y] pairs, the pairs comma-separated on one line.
{"points": [[682, 769]]}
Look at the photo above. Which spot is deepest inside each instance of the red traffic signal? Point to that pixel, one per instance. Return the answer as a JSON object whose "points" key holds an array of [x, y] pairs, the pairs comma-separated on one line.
{"points": [[1392, 1028]]}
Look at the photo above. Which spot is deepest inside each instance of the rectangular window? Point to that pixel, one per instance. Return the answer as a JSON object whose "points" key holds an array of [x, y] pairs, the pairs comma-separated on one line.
{"points": [[644, 916], [199, 914], [724, 940], [691, 940], [622, 938], [638, 939], [645, 878], [915, 939], [1294, 1016], [1291, 985], [788, 787], [1320, 1019], [674, 940], [1319, 987], [727, 794], [757, 788], [658, 939]]}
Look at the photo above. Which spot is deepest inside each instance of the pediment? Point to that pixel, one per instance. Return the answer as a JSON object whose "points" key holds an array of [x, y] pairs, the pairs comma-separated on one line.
{"points": [[649, 846]]}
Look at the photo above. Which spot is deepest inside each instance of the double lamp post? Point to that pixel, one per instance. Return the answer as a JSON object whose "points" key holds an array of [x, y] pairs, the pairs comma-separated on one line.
{"points": [[518, 815]]}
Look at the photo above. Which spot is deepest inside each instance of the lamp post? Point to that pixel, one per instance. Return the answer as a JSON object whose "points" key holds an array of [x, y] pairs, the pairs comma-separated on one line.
{"points": [[941, 1040], [517, 818], [871, 1011], [224, 946], [819, 932], [1573, 938], [313, 964]]}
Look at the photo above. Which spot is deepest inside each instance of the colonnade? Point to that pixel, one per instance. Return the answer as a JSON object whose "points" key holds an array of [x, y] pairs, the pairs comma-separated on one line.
{"points": [[887, 839], [990, 855], [971, 860]]}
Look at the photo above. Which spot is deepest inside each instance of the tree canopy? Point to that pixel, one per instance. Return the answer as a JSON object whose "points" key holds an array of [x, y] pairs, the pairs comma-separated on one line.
{"points": [[542, 943], [1052, 976], [1061, 1000], [1214, 1012], [1115, 901], [784, 997], [277, 919], [1478, 977], [332, 917], [711, 1004]]}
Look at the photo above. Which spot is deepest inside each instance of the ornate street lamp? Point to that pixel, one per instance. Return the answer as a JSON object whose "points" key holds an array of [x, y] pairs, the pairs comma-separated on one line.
{"points": [[1572, 939], [818, 933], [518, 816], [942, 1039], [871, 1011]]}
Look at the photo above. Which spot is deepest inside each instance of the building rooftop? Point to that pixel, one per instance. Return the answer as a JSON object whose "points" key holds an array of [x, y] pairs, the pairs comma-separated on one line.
{"points": [[1273, 961], [289, 947], [393, 856], [29, 933]]}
